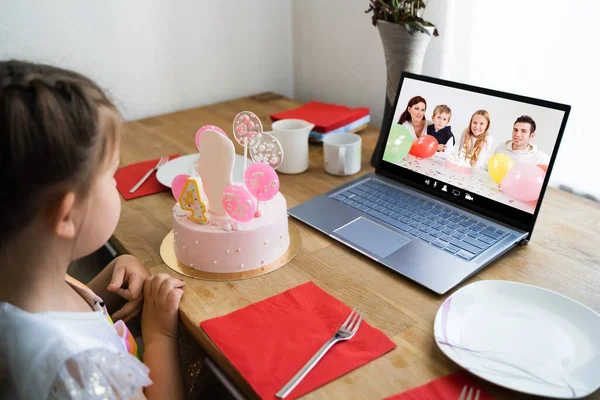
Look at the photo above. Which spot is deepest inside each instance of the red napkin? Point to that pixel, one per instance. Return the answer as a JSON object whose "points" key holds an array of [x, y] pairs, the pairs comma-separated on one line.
{"points": [[326, 117], [446, 388], [269, 341], [128, 176]]}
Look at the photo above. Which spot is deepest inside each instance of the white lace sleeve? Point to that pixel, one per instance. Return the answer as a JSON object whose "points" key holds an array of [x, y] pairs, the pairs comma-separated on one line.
{"points": [[100, 374]]}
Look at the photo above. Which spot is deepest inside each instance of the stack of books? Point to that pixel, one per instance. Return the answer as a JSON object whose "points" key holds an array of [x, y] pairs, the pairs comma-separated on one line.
{"points": [[329, 119]]}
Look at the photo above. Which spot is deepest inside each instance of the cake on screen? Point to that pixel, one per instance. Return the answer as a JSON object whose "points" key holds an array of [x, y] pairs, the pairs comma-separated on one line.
{"points": [[459, 163], [221, 226]]}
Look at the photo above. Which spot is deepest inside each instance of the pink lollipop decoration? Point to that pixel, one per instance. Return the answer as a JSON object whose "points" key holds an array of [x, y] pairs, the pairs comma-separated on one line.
{"points": [[238, 203], [247, 131], [177, 185], [207, 128], [247, 128], [262, 181], [268, 151]]}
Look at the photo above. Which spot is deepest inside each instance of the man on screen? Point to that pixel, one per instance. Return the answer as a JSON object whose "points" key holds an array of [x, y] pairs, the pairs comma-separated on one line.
{"points": [[520, 149]]}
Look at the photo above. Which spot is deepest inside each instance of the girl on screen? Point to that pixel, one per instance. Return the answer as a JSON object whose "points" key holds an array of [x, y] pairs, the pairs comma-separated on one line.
{"points": [[476, 140]]}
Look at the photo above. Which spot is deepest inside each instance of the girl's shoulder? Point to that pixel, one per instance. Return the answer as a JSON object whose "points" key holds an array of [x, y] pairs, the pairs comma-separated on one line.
{"points": [[120, 375], [51, 339]]}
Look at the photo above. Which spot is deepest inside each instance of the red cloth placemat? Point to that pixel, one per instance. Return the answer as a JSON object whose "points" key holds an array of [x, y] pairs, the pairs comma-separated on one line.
{"points": [[446, 388], [129, 175], [326, 117], [269, 341]]}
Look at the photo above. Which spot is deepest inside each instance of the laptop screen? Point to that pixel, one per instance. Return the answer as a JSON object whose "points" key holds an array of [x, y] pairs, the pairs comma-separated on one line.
{"points": [[488, 151]]}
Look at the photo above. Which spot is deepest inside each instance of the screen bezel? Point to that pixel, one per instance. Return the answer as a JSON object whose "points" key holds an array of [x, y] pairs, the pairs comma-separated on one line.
{"points": [[502, 213]]}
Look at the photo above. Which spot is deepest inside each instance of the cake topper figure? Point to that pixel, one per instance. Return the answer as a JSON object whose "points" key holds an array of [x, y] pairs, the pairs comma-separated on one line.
{"points": [[193, 199], [207, 128], [215, 165]]}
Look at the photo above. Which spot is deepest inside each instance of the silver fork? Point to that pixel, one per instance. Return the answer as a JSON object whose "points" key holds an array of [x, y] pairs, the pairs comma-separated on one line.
{"points": [[346, 332], [468, 396], [163, 160]]}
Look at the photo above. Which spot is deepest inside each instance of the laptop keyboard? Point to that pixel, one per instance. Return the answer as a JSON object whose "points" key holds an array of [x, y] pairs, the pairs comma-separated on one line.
{"points": [[440, 226]]}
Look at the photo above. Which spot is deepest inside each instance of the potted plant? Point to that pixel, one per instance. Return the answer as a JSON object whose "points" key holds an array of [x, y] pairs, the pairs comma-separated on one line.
{"points": [[405, 36]]}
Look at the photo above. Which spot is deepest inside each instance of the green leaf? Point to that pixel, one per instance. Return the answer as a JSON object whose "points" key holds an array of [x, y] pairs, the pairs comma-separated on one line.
{"points": [[403, 12]]}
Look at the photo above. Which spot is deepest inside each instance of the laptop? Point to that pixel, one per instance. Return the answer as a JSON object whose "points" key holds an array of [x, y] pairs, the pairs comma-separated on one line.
{"points": [[429, 218]]}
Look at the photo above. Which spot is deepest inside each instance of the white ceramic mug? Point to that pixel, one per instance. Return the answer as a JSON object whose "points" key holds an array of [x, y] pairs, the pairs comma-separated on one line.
{"points": [[342, 153], [293, 136]]}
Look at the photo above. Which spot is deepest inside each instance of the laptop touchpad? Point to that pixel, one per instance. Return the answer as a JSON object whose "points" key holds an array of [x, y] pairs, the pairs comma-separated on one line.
{"points": [[371, 237]]}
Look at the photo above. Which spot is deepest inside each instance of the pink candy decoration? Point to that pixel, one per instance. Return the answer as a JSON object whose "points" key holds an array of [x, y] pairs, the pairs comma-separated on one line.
{"points": [[177, 185], [258, 213], [247, 129], [262, 181], [268, 151], [207, 128], [238, 203], [523, 182]]}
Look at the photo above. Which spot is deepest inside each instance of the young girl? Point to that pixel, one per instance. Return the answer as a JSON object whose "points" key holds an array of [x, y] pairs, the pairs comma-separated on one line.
{"points": [[476, 140], [413, 118], [59, 150]]}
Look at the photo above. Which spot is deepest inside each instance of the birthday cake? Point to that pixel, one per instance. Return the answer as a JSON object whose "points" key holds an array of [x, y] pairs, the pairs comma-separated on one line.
{"points": [[459, 163], [221, 226]]}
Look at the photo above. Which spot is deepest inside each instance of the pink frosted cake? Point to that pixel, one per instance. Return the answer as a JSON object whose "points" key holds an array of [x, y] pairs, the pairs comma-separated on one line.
{"points": [[223, 245], [222, 226], [460, 164]]}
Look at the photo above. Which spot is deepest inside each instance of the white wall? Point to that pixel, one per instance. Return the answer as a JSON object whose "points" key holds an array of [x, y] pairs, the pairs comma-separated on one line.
{"points": [[338, 55], [503, 112], [538, 48], [157, 56]]}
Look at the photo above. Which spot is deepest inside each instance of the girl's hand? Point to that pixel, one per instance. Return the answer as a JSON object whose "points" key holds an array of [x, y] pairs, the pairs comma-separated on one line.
{"points": [[441, 147], [127, 281], [161, 304]]}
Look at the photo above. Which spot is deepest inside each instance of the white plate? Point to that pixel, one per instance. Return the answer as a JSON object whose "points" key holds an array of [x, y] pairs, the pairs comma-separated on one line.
{"points": [[522, 337], [185, 165]]}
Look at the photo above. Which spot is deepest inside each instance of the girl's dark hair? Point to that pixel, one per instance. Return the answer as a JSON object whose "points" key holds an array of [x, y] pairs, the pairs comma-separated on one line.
{"points": [[405, 116], [57, 127]]}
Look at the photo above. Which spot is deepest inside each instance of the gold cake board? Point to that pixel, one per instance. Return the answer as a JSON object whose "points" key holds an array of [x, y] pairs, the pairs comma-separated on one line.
{"points": [[167, 252]]}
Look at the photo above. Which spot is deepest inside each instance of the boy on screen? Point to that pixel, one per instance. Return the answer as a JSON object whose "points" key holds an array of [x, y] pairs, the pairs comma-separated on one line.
{"points": [[440, 128]]}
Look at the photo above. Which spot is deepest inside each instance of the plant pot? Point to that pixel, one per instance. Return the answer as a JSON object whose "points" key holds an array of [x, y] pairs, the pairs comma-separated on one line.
{"points": [[403, 52]]}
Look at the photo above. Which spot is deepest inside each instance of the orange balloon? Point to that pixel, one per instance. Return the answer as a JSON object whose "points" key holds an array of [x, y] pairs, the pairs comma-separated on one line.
{"points": [[543, 167], [424, 147]]}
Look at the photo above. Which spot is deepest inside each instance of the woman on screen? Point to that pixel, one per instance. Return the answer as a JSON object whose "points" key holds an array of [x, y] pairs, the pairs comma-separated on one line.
{"points": [[413, 118], [476, 142]]}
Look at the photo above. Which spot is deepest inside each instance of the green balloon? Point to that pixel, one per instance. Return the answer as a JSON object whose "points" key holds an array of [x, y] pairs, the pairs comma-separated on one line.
{"points": [[398, 144]]}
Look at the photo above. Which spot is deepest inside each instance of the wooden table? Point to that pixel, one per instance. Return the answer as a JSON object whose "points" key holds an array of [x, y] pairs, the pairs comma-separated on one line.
{"points": [[563, 256]]}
